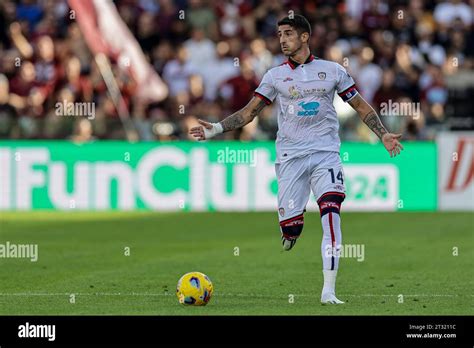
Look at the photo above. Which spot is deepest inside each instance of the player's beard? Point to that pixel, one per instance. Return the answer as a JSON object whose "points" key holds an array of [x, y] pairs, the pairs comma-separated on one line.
{"points": [[295, 51]]}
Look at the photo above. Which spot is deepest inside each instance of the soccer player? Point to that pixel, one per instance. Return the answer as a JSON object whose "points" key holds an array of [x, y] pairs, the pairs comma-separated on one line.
{"points": [[307, 143]]}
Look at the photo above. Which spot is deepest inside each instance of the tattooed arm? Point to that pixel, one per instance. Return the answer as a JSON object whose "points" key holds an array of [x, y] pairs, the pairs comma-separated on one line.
{"points": [[372, 120], [368, 115], [238, 119]]}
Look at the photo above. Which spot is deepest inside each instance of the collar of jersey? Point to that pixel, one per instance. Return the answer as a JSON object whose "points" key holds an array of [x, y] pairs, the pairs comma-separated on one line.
{"points": [[293, 64]]}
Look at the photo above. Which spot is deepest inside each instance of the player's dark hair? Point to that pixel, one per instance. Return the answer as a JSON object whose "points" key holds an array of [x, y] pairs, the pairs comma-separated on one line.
{"points": [[298, 22]]}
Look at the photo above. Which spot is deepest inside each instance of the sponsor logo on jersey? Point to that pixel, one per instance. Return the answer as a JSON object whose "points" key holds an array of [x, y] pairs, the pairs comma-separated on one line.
{"points": [[287, 79], [295, 92], [281, 211], [309, 109]]}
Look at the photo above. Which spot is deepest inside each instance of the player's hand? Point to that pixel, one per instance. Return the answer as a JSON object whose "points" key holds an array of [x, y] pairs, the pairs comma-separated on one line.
{"points": [[391, 143], [15, 29], [206, 130]]}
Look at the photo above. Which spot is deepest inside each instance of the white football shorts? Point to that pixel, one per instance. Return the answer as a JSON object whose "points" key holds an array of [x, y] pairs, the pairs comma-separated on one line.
{"points": [[319, 172]]}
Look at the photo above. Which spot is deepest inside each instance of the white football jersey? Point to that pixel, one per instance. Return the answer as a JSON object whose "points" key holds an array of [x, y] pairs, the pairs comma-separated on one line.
{"points": [[307, 120]]}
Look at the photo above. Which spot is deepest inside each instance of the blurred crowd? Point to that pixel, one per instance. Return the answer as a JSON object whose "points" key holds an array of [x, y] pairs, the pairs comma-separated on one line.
{"points": [[212, 55]]}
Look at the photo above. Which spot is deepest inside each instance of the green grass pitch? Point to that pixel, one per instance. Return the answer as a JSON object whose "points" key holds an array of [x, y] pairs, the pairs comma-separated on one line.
{"points": [[408, 254]]}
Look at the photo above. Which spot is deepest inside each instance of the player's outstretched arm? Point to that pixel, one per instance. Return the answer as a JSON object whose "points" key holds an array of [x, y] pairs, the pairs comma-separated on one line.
{"points": [[238, 119], [372, 120]]}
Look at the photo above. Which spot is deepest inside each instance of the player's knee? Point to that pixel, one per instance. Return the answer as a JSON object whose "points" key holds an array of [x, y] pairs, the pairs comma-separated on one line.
{"points": [[330, 203], [292, 228]]}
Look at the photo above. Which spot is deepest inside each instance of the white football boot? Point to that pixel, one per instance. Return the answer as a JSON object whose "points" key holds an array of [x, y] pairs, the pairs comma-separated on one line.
{"points": [[330, 298], [328, 295]]}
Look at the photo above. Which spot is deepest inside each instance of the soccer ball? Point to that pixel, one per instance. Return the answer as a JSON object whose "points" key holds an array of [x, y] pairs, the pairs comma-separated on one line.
{"points": [[194, 288]]}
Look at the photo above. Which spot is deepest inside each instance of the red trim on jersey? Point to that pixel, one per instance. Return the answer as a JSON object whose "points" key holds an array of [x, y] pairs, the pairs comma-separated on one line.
{"points": [[261, 96], [293, 64]]}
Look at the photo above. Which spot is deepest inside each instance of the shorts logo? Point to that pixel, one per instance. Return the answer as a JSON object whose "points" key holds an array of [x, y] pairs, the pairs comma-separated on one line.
{"points": [[322, 75], [281, 211], [309, 109]]}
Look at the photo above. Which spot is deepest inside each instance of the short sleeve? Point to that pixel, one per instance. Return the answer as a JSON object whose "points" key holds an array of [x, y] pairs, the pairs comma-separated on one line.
{"points": [[266, 90], [345, 84]]}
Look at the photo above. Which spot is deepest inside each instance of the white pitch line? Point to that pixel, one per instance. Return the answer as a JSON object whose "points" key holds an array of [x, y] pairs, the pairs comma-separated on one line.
{"points": [[217, 294]]}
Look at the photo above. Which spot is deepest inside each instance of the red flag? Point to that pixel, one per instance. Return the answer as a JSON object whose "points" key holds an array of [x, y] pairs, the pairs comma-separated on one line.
{"points": [[105, 32]]}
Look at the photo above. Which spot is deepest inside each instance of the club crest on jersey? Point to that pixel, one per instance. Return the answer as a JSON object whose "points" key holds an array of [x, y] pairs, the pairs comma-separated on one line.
{"points": [[281, 211], [309, 109], [322, 75]]}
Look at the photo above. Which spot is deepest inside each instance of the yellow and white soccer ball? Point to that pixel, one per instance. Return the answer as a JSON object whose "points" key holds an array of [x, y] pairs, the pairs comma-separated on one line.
{"points": [[194, 288]]}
